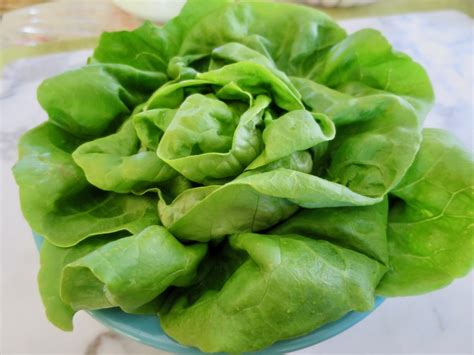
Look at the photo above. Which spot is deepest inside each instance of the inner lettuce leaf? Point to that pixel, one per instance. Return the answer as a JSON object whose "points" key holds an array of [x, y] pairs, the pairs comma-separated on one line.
{"points": [[233, 118], [150, 126], [318, 281], [116, 162], [217, 145], [295, 131]]}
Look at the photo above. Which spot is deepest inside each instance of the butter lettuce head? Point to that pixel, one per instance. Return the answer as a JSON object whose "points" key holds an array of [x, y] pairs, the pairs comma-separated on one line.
{"points": [[248, 171]]}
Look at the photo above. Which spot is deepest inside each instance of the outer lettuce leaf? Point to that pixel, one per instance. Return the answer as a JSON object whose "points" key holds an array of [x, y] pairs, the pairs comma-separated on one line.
{"points": [[145, 48], [150, 47], [53, 259], [365, 62], [103, 271], [116, 162], [90, 101], [252, 202], [57, 200], [130, 272], [430, 232], [287, 33], [367, 154], [318, 281], [363, 229]]}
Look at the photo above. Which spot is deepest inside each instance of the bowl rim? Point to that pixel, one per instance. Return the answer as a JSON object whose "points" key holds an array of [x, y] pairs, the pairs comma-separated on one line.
{"points": [[146, 329]]}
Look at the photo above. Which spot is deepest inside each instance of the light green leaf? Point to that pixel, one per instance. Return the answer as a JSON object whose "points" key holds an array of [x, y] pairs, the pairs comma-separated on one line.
{"points": [[57, 200], [430, 234], [291, 35], [295, 131], [252, 202], [365, 63], [130, 272], [91, 100], [210, 141], [367, 154], [150, 125], [145, 48], [172, 94], [52, 260], [116, 163], [151, 47], [236, 52], [282, 288], [363, 229], [255, 79]]}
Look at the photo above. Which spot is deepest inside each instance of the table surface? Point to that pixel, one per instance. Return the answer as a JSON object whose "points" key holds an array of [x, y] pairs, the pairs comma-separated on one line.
{"points": [[439, 322]]}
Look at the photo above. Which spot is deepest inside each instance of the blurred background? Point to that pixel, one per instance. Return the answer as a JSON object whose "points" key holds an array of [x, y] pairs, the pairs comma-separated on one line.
{"points": [[45, 26], [42, 38]]}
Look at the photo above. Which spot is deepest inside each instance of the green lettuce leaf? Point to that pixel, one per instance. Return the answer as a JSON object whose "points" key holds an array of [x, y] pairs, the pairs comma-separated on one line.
{"points": [[116, 162], [251, 203], [365, 63], [58, 201], [295, 131], [291, 35], [52, 261], [150, 47], [104, 271], [363, 229], [255, 79], [367, 154], [130, 272], [150, 126], [318, 281], [208, 140], [430, 234], [91, 100]]}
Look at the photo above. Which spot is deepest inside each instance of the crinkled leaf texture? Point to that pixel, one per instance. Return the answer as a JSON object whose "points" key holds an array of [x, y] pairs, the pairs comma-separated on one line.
{"points": [[282, 287], [430, 229], [58, 201], [233, 118], [362, 229], [120, 271]]}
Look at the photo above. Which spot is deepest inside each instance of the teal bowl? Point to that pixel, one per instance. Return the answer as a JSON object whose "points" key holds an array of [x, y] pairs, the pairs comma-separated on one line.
{"points": [[147, 329]]}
